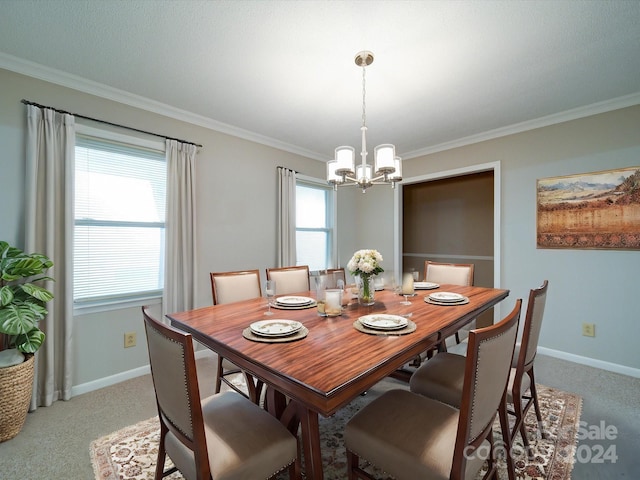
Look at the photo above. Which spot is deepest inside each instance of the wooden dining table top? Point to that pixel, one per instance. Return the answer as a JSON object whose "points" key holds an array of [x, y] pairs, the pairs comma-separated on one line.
{"points": [[335, 362]]}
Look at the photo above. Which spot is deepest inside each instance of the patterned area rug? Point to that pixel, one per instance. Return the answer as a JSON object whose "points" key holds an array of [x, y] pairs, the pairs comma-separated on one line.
{"points": [[130, 453]]}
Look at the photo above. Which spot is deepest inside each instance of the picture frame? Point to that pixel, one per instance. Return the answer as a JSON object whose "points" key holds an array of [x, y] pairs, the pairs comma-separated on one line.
{"points": [[597, 210]]}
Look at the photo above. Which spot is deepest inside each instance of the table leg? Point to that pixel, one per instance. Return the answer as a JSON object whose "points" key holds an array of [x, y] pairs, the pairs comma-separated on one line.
{"points": [[292, 415], [310, 433]]}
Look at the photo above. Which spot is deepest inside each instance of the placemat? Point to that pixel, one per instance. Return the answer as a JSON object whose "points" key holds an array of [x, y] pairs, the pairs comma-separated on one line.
{"points": [[446, 304], [249, 335], [411, 327]]}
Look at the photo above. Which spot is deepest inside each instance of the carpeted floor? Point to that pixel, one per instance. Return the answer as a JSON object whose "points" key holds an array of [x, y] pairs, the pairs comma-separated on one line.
{"points": [[130, 453]]}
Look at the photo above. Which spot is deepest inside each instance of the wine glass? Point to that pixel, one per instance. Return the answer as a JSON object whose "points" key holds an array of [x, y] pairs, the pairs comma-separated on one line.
{"points": [[269, 291], [416, 275]]}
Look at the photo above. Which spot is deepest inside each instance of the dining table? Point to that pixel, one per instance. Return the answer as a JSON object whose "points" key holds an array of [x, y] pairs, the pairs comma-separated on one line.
{"points": [[331, 360]]}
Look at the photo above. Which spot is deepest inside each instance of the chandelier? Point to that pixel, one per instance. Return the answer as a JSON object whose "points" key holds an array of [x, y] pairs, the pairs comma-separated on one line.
{"points": [[388, 167]]}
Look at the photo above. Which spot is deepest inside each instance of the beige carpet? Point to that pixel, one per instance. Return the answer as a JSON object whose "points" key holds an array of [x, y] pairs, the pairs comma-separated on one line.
{"points": [[130, 453]]}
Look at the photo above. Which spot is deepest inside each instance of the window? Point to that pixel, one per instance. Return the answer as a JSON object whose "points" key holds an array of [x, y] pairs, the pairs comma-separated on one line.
{"points": [[315, 220], [119, 221]]}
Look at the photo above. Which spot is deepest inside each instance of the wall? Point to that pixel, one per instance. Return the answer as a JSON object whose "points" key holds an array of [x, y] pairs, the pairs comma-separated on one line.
{"points": [[593, 286], [236, 188]]}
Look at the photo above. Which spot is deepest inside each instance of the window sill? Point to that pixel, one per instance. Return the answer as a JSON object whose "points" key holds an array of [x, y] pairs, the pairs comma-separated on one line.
{"points": [[115, 304]]}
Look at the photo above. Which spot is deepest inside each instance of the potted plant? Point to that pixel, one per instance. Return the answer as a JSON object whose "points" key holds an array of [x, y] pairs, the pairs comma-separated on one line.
{"points": [[22, 306]]}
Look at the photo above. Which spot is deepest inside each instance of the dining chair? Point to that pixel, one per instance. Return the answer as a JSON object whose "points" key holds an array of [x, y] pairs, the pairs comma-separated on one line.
{"points": [[441, 378], [411, 436], [224, 436], [332, 275], [290, 279], [452, 273], [227, 287]]}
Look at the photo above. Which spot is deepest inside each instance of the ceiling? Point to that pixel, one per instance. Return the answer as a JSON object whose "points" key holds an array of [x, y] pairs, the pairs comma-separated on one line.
{"points": [[283, 72]]}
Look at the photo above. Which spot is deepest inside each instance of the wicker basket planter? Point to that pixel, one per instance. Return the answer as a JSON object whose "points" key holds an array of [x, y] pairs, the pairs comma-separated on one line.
{"points": [[16, 385]]}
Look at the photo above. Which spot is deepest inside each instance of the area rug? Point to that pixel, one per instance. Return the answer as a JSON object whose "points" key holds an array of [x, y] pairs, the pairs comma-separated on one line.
{"points": [[130, 453]]}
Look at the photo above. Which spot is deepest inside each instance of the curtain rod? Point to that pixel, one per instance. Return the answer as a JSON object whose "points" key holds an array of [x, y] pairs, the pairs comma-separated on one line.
{"points": [[294, 171], [27, 102]]}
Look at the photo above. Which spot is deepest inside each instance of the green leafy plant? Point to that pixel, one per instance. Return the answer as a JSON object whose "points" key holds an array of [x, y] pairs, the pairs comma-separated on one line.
{"points": [[22, 302]]}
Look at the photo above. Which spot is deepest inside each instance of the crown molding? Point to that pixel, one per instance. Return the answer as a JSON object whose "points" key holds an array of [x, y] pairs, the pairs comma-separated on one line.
{"points": [[574, 114], [68, 80], [58, 77]]}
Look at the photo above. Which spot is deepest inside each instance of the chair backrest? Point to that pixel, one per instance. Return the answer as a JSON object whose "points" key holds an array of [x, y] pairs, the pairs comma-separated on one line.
{"points": [[175, 380], [227, 287], [532, 327], [290, 279], [332, 276], [487, 369], [452, 273]]}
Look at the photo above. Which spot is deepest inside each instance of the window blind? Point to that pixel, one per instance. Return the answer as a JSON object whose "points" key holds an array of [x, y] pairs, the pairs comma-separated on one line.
{"points": [[120, 193]]}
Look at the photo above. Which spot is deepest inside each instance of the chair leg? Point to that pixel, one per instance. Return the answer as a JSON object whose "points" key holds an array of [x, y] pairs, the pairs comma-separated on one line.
{"points": [[162, 454], [352, 462], [219, 373], [536, 405], [294, 470], [506, 439], [457, 338]]}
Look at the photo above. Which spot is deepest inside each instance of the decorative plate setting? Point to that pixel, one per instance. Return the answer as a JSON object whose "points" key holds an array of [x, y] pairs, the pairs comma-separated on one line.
{"points": [[384, 321], [275, 328], [425, 285], [447, 297], [294, 301]]}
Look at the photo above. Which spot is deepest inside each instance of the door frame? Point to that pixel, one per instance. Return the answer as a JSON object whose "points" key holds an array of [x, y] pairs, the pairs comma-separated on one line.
{"points": [[457, 172]]}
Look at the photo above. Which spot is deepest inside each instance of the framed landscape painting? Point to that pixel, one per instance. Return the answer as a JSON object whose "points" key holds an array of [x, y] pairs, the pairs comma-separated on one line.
{"points": [[590, 210]]}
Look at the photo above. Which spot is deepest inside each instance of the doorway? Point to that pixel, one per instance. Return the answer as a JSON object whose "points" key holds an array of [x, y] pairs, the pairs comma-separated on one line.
{"points": [[452, 217]]}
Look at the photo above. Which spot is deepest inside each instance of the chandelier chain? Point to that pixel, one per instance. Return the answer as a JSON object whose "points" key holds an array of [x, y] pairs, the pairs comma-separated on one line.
{"points": [[364, 115]]}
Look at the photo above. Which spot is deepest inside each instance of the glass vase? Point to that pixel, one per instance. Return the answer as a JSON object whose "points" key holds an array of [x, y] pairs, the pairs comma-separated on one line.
{"points": [[366, 290]]}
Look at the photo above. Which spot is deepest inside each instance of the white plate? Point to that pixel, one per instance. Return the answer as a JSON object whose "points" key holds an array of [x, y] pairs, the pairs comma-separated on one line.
{"points": [[294, 301], [383, 321], [425, 285], [275, 328], [447, 297]]}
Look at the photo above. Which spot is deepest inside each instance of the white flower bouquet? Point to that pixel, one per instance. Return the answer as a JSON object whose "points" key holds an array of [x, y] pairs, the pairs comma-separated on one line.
{"points": [[365, 263]]}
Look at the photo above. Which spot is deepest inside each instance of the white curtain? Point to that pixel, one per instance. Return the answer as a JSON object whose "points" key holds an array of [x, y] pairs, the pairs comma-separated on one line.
{"points": [[286, 243], [50, 146], [180, 246]]}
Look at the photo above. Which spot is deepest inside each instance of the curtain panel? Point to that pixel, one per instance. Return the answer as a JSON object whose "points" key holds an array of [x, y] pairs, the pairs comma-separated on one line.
{"points": [[180, 247], [50, 146], [286, 241]]}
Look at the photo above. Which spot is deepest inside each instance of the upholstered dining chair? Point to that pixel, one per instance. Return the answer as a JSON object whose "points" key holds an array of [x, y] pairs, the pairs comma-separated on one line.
{"points": [[331, 275], [411, 436], [441, 378], [224, 436], [452, 273], [290, 279], [227, 287]]}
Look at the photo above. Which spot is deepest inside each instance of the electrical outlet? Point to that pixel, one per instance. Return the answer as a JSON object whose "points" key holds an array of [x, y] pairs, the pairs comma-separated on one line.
{"points": [[589, 329], [130, 339]]}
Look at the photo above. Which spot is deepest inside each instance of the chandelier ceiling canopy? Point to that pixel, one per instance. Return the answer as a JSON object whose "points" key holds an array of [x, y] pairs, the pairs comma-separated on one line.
{"points": [[387, 168]]}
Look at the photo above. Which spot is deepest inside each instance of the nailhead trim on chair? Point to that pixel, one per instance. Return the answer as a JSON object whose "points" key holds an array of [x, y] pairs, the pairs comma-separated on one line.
{"points": [[190, 437], [473, 404]]}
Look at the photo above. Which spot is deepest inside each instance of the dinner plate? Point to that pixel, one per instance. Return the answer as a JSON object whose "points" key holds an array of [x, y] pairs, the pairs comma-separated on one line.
{"points": [[384, 322], [293, 301], [275, 328], [425, 285], [447, 297]]}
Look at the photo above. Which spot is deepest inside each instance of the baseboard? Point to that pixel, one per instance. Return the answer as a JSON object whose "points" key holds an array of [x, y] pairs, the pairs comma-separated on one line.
{"points": [[121, 377], [591, 362]]}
